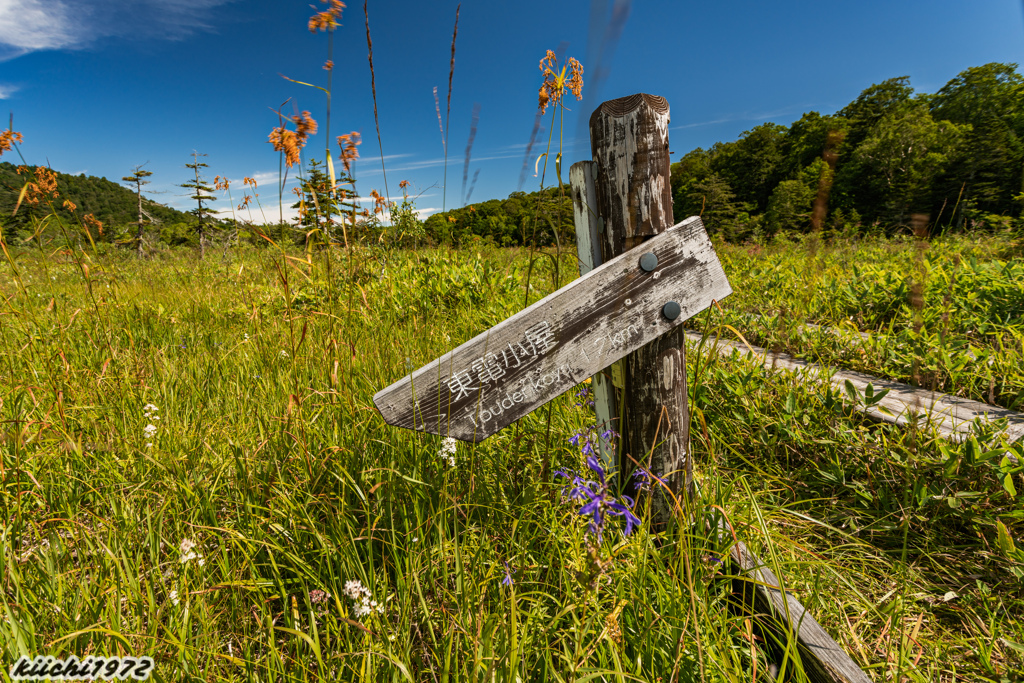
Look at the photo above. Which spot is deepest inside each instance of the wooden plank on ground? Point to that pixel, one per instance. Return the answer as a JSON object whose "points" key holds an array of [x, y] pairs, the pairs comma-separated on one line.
{"points": [[822, 658], [951, 416], [527, 360]]}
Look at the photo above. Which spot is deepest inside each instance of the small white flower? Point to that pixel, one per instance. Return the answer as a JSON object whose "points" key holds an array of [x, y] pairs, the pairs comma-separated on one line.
{"points": [[190, 555], [186, 545], [284, 354], [174, 597], [247, 336], [363, 602], [447, 452], [149, 431]]}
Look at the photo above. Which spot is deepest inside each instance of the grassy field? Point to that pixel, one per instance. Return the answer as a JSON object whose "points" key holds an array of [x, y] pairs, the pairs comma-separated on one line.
{"points": [[192, 468]]}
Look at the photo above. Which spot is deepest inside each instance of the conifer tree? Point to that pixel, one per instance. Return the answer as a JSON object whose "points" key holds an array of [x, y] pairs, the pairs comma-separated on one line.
{"points": [[138, 178], [201, 192]]}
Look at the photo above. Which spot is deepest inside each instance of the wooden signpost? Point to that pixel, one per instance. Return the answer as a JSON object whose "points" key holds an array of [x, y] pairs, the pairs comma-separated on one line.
{"points": [[641, 277], [522, 363]]}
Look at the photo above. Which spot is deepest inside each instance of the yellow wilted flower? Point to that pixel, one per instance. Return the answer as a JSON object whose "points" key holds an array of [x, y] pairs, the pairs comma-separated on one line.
{"points": [[556, 82], [220, 183], [7, 140], [291, 142], [349, 153], [90, 221], [327, 20], [380, 202]]}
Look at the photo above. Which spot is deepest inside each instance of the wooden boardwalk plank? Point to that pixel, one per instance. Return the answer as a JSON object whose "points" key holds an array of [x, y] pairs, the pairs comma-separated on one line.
{"points": [[951, 416]]}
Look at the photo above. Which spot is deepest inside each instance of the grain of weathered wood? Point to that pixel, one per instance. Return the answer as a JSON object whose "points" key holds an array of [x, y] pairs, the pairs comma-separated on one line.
{"points": [[629, 140], [525, 361], [822, 658], [588, 248]]}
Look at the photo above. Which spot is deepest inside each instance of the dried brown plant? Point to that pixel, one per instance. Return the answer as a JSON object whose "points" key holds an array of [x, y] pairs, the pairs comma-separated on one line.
{"points": [[349, 153], [329, 19], [7, 140], [557, 82]]}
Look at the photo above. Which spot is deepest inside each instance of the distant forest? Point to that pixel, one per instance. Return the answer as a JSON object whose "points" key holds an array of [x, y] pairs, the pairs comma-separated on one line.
{"points": [[892, 158], [109, 202], [949, 160]]}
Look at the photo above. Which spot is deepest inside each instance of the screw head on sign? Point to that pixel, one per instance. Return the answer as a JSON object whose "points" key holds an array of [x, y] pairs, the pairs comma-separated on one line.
{"points": [[670, 310], [649, 261]]}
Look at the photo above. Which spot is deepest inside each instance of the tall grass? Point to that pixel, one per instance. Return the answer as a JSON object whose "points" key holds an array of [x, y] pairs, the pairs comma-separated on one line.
{"points": [[269, 457], [191, 468]]}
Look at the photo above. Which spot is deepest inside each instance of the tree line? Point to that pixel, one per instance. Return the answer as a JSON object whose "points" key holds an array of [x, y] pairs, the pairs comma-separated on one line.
{"points": [[889, 159]]}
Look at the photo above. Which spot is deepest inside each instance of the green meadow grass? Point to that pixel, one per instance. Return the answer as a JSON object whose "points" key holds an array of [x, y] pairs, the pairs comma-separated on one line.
{"points": [[947, 314], [270, 458]]}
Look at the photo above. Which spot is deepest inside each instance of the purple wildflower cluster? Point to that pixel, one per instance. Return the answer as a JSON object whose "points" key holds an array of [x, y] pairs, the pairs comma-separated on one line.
{"points": [[586, 398], [586, 440], [599, 503]]}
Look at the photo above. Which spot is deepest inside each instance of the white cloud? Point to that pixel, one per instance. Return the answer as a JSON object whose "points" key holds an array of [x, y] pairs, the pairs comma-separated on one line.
{"points": [[7, 91], [29, 25], [32, 25]]}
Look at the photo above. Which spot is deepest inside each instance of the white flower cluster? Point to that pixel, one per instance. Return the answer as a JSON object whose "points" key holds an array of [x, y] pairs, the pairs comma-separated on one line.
{"points": [[149, 431], [447, 452], [363, 603], [188, 552]]}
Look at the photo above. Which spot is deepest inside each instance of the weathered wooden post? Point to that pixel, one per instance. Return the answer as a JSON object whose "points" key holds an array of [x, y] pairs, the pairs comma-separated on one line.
{"points": [[629, 140], [641, 278]]}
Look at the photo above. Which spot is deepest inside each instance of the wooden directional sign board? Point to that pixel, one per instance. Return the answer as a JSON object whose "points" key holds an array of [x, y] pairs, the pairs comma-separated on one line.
{"points": [[527, 360]]}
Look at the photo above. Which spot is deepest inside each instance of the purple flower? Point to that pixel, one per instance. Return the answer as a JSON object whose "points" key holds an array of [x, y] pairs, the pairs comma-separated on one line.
{"points": [[598, 502], [645, 479], [509, 571]]}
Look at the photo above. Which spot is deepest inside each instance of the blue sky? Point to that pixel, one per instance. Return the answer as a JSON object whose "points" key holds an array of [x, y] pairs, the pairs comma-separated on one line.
{"points": [[100, 86]]}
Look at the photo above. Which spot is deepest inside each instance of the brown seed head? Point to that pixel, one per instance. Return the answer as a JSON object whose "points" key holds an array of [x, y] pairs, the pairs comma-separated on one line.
{"points": [[284, 140], [304, 126], [7, 140], [349, 153], [327, 20], [90, 221], [555, 81]]}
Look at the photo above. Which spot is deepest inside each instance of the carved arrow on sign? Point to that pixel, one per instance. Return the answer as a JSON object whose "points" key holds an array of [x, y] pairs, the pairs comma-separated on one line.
{"points": [[522, 363]]}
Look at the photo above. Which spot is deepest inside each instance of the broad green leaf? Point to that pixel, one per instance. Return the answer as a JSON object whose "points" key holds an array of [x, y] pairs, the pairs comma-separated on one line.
{"points": [[851, 391], [1004, 539], [1008, 485]]}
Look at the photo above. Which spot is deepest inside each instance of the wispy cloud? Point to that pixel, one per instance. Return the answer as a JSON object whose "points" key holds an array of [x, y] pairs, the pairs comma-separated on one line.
{"points": [[7, 91], [30, 25], [34, 25], [766, 116], [425, 163]]}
